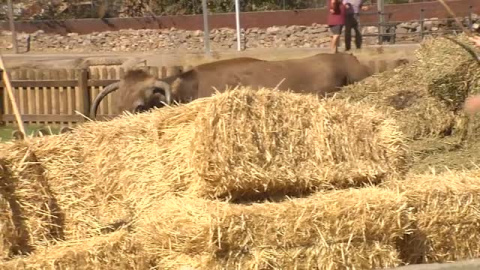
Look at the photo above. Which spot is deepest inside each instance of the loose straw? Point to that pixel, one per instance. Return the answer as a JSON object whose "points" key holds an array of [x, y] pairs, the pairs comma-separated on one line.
{"points": [[8, 86]]}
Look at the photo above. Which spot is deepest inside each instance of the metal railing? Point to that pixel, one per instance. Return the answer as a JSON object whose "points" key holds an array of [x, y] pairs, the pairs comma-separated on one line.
{"points": [[387, 30]]}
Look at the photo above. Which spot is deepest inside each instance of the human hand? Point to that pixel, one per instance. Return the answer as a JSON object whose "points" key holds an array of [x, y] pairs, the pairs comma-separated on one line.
{"points": [[476, 40], [365, 8], [472, 104]]}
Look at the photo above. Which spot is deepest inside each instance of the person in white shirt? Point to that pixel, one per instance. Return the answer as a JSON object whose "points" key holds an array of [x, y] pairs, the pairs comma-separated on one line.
{"points": [[351, 22]]}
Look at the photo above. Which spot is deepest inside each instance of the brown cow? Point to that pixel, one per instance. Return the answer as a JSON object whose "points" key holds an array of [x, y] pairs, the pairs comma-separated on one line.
{"points": [[321, 74]]}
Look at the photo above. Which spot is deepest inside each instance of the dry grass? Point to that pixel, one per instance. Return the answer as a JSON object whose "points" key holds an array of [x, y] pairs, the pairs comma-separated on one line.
{"points": [[353, 228], [425, 96], [446, 216], [114, 251]]}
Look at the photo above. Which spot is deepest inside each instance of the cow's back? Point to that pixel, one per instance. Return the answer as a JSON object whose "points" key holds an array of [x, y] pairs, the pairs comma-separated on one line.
{"points": [[319, 74], [223, 73]]}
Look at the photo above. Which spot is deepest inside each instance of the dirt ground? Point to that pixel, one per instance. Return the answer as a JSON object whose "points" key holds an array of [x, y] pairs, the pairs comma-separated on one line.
{"points": [[75, 60]]}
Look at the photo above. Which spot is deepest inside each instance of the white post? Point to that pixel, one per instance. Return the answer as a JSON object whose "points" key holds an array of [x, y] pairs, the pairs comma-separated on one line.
{"points": [[237, 17], [12, 26], [206, 32]]}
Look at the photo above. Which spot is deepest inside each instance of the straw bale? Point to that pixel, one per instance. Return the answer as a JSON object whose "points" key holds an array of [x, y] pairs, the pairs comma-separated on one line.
{"points": [[7, 236], [338, 229], [446, 216], [100, 171], [32, 213], [249, 142], [113, 251], [426, 95], [7, 227], [279, 258]]}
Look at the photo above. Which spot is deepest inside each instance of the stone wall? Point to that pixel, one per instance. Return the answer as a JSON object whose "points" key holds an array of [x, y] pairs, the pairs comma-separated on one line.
{"points": [[177, 40]]}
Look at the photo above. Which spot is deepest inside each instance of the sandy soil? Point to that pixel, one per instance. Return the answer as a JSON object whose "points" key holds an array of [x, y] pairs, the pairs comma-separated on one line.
{"points": [[75, 60]]}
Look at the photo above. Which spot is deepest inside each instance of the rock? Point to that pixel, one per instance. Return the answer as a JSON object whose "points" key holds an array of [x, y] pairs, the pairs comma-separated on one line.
{"points": [[370, 30], [414, 27], [273, 30], [427, 25], [401, 30]]}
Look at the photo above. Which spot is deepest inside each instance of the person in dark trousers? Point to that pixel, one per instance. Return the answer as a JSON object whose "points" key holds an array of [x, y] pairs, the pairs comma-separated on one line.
{"points": [[336, 21], [351, 22]]}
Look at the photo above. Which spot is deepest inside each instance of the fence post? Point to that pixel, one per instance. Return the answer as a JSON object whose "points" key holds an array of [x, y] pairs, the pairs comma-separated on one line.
{"points": [[380, 28], [421, 24], [470, 20], [85, 93], [12, 26]]}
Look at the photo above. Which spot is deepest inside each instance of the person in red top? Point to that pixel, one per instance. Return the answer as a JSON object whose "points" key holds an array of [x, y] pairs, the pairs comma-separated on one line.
{"points": [[336, 21]]}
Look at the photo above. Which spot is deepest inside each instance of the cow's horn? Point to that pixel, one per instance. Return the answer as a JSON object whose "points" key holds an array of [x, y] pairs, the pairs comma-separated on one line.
{"points": [[466, 47], [107, 90], [166, 87]]}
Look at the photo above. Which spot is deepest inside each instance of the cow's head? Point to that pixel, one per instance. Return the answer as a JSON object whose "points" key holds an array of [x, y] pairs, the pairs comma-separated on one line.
{"points": [[355, 70], [138, 92]]}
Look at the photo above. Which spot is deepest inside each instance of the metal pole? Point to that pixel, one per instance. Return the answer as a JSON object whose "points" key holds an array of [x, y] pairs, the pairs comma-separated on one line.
{"points": [[381, 19], [237, 17], [206, 32], [422, 24], [470, 20], [12, 26]]}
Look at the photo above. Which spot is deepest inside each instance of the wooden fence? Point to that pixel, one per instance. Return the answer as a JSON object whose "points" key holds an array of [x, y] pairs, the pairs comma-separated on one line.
{"points": [[61, 96]]}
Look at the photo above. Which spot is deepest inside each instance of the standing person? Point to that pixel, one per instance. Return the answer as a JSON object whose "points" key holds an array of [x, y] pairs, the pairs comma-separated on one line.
{"points": [[335, 21], [351, 21]]}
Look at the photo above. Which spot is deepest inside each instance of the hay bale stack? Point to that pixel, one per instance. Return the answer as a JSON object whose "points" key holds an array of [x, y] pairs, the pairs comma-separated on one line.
{"points": [[339, 229], [446, 216], [424, 96], [31, 215], [236, 144], [113, 251]]}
